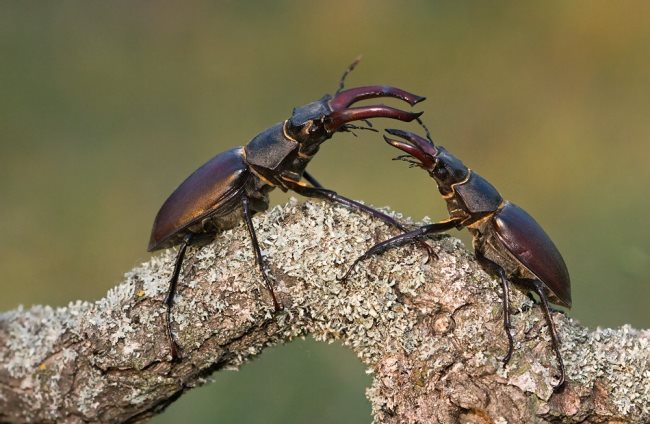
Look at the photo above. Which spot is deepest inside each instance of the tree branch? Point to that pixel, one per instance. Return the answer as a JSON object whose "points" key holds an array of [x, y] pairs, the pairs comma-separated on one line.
{"points": [[431, 333]]}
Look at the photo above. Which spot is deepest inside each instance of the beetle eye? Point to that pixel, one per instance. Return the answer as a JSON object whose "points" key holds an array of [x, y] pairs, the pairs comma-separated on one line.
{"points": [[312, 127], [440, 172]]}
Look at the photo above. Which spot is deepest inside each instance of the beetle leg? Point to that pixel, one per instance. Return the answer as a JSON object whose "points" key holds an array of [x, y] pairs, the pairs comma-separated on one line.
{"points": [[401, 239], [171, 291], [539, 289], [507, 325], [323, 193], [313, 181], [258, 252]]}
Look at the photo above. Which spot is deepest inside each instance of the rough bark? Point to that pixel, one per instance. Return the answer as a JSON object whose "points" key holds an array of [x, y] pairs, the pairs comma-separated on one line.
{"points": [[431, 333]]}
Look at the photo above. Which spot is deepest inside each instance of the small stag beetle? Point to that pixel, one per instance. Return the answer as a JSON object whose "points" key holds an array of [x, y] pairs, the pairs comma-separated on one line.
{"points": [[507, 241], [234, 185]]}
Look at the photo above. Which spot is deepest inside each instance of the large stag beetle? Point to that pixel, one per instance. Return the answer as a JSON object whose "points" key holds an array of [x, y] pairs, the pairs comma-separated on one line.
{"points": [[234, 185], [508, 242]]}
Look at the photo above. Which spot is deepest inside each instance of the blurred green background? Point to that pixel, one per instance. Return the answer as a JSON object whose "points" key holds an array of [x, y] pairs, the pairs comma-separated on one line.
{"points": [[107, 106]]}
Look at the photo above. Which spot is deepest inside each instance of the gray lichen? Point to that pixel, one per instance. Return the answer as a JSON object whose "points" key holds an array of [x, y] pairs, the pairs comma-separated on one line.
{"points": [[430, 332]]}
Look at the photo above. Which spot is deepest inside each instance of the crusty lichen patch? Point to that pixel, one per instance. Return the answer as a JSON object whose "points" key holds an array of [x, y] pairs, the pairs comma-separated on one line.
{"points": [[431, 332], [603, 355]]}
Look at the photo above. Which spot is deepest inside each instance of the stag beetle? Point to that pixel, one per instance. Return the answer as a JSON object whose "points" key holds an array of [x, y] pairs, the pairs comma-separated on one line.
{"points": [[234, 185], [507, 241]]}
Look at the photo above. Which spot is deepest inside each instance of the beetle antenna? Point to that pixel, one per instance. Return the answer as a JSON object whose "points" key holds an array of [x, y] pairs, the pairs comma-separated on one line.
{"points": [[345, 74], [426, 130]]}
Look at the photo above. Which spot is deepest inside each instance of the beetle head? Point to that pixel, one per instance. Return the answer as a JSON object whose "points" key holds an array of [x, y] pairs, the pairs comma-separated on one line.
{"points": [[316, 122], [307, 124], [442, 166]]}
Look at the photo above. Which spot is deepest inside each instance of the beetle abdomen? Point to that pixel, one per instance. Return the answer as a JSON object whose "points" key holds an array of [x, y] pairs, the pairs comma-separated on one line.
{"points": [[213, 189], [530, 245]]}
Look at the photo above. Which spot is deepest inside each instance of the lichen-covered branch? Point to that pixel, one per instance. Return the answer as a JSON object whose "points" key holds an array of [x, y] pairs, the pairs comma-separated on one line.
{"points": [[430, 332]]}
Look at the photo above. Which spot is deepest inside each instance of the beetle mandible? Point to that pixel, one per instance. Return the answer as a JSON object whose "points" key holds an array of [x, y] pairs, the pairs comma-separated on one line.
{"points": [[507, 241], [234, 185]]}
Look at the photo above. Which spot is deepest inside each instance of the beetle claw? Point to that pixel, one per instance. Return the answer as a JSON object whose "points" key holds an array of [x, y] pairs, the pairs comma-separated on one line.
{"points": [[508, 356], [343, 279], [431, 253], [560, 382], [174, 349]]}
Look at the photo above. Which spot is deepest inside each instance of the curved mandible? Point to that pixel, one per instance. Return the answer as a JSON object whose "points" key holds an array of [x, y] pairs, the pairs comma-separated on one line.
{"points": [[346, 98]]}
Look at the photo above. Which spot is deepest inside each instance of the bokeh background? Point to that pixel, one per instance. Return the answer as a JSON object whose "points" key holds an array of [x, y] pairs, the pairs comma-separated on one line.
{"points": [[106, 106]]}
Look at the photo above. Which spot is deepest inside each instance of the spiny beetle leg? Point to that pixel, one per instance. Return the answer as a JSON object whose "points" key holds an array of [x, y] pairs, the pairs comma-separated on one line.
{"points": [[507, 325], [169, 299], [323, 193], [400, 240], [538, 287], [494, 268], [311, 180], [258, 252]]}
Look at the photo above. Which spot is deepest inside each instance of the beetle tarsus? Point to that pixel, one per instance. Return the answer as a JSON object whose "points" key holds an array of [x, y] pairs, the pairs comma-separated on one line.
{"points": [[258, 253], [431, 253], [174, 349], [555, 340], [413, 235], [507, 325], [352, 267], [169, 299], [323, 193], [491, 266]]}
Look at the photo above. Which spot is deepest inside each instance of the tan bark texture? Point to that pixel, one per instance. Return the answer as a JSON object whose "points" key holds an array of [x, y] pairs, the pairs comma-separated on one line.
{"points": [[430, 333]]}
